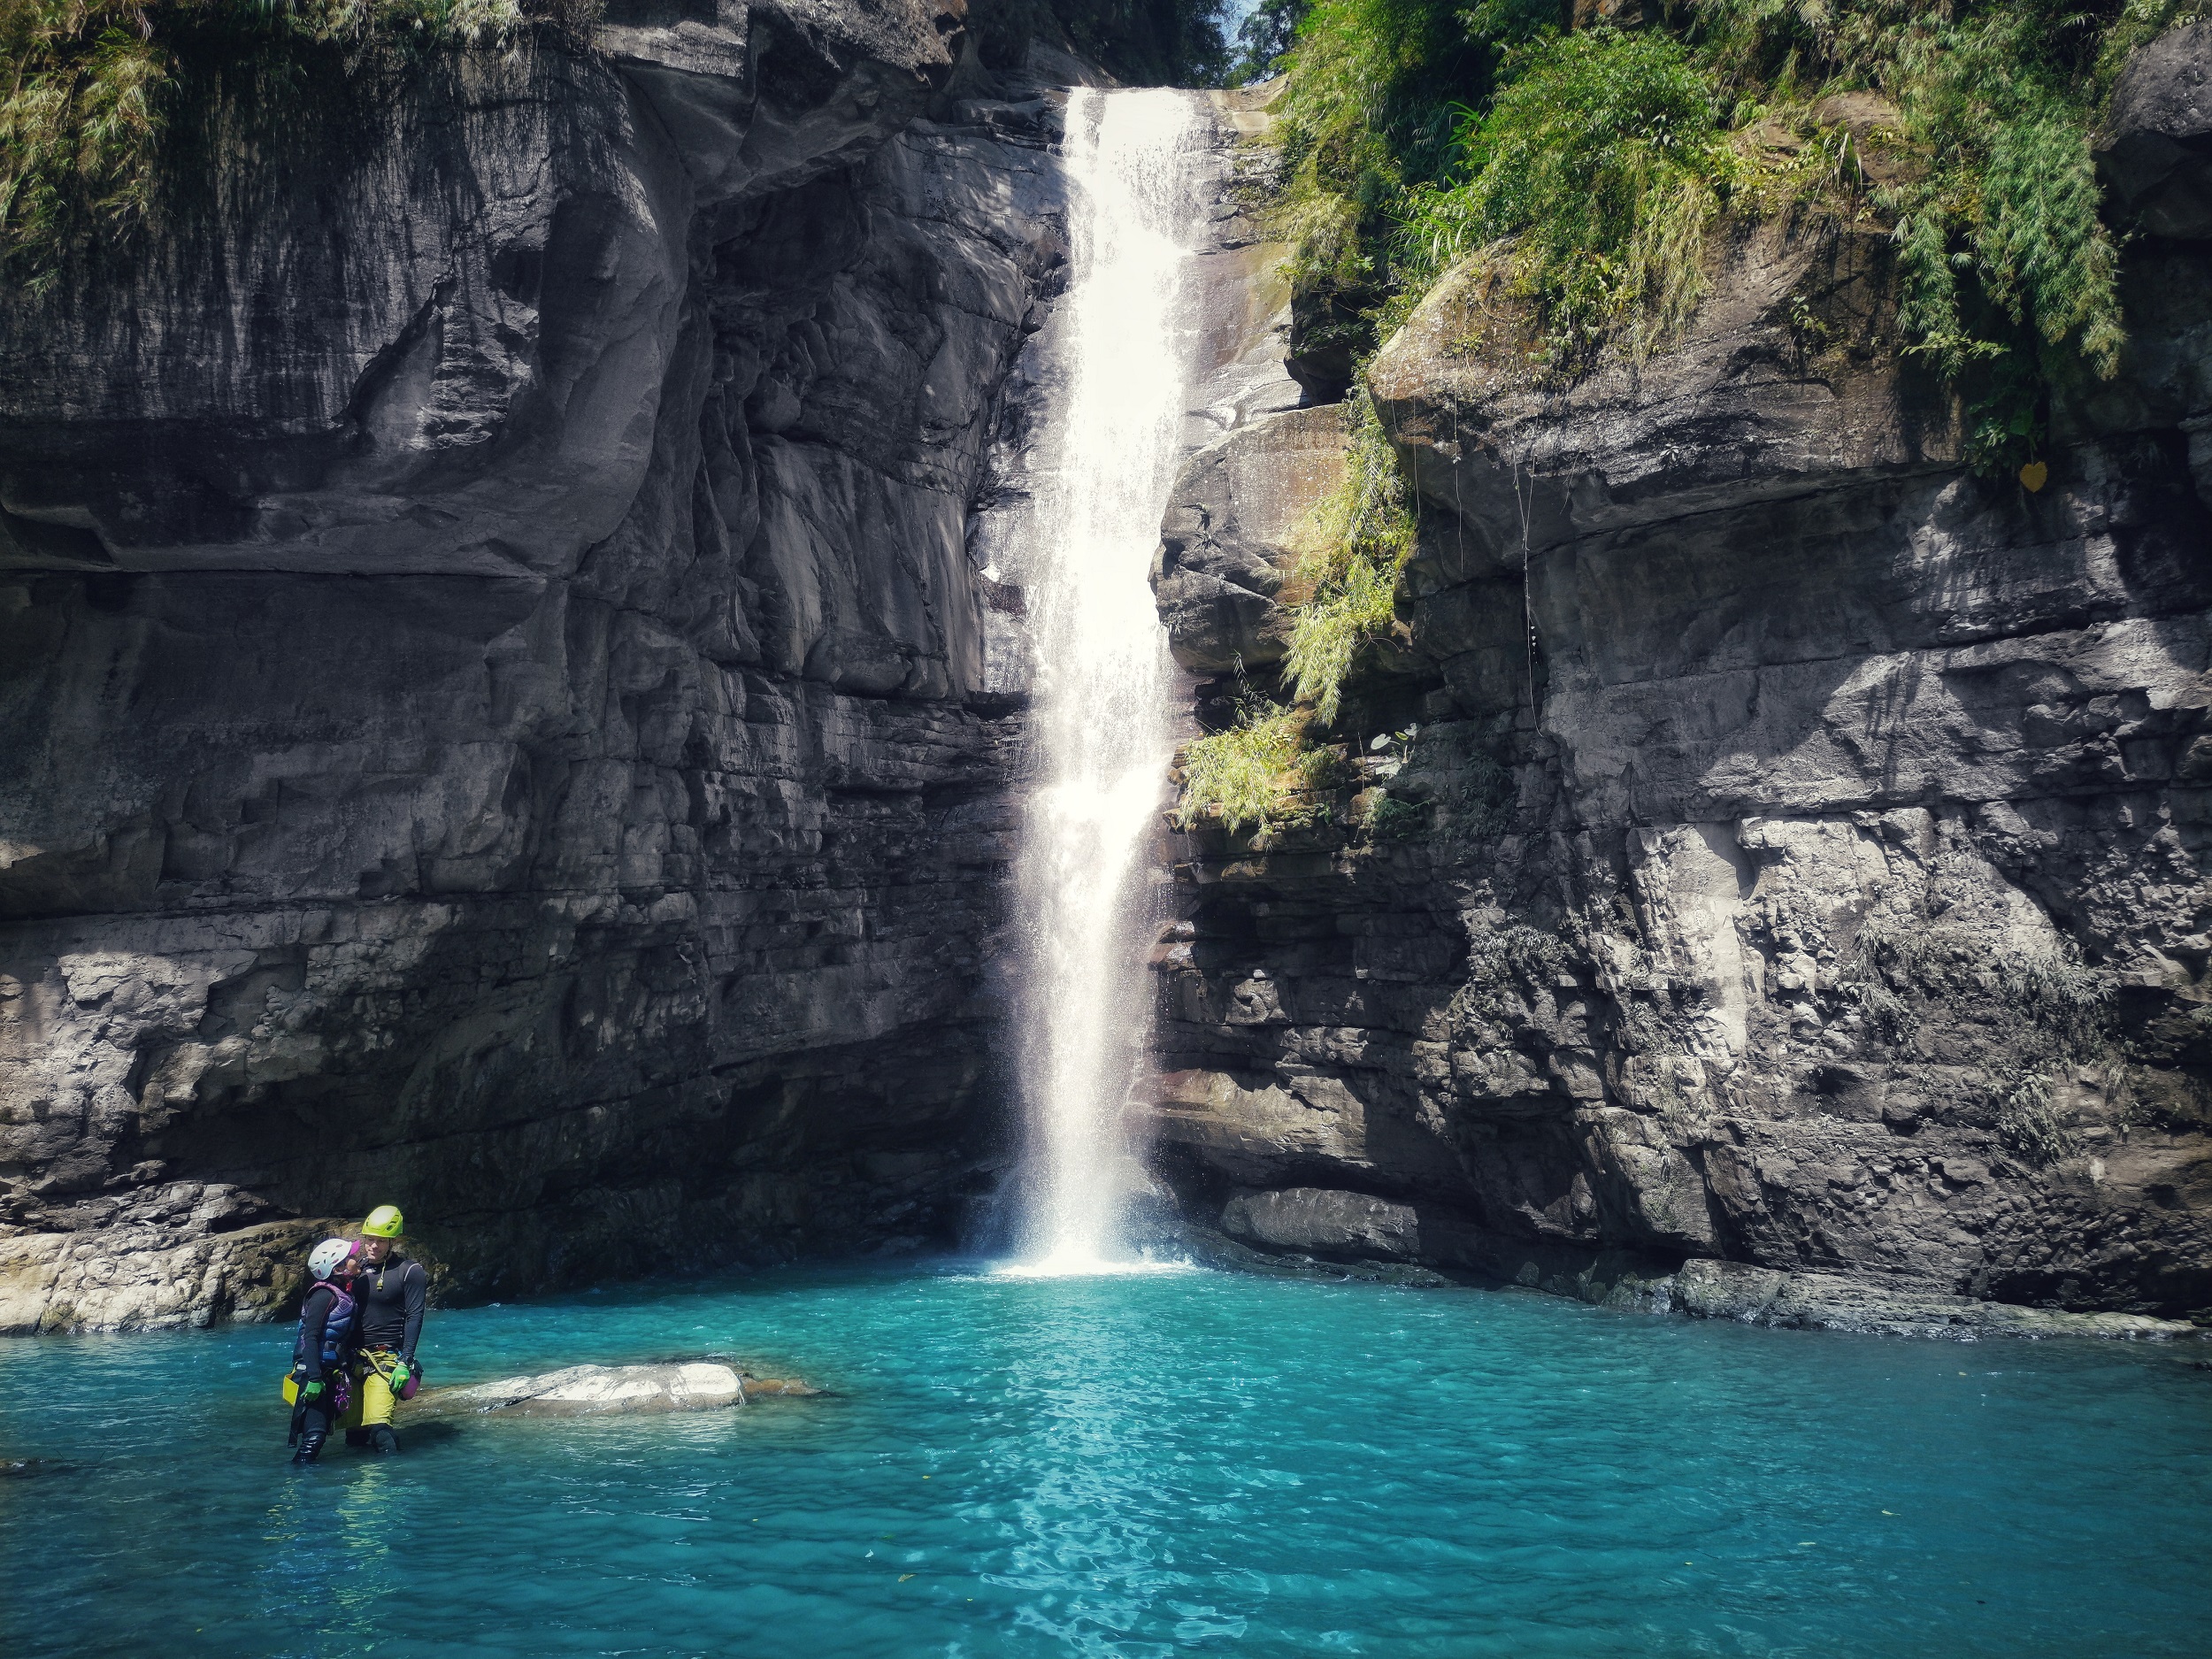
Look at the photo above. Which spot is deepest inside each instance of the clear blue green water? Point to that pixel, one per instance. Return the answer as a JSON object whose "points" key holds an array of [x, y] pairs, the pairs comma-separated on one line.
{"points": [[1183, 1463]]}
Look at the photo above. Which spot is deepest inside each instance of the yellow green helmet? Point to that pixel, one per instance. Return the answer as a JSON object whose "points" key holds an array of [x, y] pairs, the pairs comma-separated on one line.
{"points": [[384, 1222]]}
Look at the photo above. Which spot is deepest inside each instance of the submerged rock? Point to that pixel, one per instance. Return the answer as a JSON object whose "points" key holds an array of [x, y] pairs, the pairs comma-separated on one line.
{"points": [[1836, 1301], [30, 1468], [610, 1390]]}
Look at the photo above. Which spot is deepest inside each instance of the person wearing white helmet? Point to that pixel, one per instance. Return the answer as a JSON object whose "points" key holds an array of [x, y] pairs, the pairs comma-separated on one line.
{"points": [[319, 1382]]}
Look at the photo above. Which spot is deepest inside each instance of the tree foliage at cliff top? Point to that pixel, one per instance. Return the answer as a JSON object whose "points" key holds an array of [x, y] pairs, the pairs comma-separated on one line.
{"points": [[91, 89], [1414, 131]]}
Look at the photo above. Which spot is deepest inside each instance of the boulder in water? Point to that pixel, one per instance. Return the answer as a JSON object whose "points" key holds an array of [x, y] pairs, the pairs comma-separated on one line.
{"points": [[605, 1390]]}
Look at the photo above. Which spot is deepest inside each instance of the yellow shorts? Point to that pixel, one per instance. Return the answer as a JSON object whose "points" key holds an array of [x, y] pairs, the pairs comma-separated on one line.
{"points": [[352, 1417], [372, 1393]]}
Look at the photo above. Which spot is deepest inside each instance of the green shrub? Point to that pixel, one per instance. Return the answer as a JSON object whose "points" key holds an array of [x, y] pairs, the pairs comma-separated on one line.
{"points": [[1414, 134], [2005, 256], [1376, 94], [2068, 1000], [1391, 819], [1604, 161], [82, 118], [2028, 1121], [1241, 775], [1511, 959], [1347, 579], [1479, 803]]}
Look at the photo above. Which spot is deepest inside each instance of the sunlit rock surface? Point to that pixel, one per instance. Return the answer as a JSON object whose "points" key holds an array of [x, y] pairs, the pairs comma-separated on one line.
{"points": [[1781, 792], [608, 1390], [1230, 539], [492, 675]]}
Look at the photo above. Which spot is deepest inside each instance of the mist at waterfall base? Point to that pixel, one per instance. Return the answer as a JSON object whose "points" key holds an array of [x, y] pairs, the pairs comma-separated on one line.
{"points": [[1128, 1466], [1099, 724]]}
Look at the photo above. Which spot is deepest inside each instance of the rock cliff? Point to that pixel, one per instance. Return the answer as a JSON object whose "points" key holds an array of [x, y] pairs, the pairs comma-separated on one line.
{"points": [[1798, 862], [493, 675]]}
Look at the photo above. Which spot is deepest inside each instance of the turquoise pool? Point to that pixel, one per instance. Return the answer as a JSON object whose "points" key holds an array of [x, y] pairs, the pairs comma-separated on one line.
{"points": [[1178, 1463]]}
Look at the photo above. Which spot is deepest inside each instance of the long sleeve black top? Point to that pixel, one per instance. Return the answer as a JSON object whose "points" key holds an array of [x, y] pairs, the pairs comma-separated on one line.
{"points": [[392, 1299]]}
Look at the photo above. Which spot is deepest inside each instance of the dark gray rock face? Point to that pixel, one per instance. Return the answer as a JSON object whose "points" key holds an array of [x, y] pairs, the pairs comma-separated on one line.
{"points": [[491, 674], [1800, 863], [2157, 153]]}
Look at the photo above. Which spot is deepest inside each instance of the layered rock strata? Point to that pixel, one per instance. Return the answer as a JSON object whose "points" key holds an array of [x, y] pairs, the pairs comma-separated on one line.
{"points": [[493, 675], [1796, 861]]}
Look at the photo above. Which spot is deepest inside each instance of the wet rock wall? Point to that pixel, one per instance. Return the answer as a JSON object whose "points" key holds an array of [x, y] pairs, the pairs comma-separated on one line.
{"points": [[493, 675], [1797, 863]]}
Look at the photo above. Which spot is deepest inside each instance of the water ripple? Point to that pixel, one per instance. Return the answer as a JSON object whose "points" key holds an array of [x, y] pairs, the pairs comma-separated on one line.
{"points": [[1130, 1466]]}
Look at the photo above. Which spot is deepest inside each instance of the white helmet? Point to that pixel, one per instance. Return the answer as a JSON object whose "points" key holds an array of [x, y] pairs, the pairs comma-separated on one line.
{"points": [[325, 1258]]}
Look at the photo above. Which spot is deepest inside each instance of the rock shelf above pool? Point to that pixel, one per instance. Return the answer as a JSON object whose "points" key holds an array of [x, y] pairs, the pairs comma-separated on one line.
{"points": [[606, 1390]]}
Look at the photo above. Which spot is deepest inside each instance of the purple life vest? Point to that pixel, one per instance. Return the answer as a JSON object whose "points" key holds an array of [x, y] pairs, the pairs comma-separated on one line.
{"points": [[337, 1331]]}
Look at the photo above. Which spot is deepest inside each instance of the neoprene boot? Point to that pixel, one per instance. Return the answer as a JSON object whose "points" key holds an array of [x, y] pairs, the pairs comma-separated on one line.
{"points": [[356, 1437], [382, 1440], [311, 1447]]}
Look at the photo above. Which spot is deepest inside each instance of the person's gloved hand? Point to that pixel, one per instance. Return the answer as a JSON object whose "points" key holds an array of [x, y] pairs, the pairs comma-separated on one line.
{"points": [[399, 1375], [311, 1390]]}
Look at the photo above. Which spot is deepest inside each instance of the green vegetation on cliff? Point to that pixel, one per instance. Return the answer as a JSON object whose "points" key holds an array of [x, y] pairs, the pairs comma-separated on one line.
{"points": [[1592, 166], [1604, 158], [1416, 131], [1347, 579], [1245, 775], [91, 89]]}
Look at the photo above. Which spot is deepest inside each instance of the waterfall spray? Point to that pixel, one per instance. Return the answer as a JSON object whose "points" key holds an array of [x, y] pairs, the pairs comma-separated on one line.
{"points": [[1101, 725]]}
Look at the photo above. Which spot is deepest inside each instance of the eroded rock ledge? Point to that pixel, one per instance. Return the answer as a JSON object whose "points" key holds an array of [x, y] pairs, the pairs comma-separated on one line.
{"points": [[1316, 1232]]}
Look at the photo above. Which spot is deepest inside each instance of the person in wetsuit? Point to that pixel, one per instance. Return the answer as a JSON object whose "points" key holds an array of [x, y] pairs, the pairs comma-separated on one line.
{"points": [[391, 1290], [323, 1348]]}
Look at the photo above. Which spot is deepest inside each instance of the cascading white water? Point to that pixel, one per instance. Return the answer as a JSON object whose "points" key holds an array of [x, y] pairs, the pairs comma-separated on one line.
{"points": [[1101, 725]]}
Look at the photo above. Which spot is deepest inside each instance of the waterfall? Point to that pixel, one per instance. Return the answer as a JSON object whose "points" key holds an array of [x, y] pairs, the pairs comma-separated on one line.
{"points": [[1101, 728]]}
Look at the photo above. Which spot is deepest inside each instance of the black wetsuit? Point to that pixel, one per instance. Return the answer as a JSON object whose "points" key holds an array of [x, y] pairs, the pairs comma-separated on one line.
{"points": [[391, 1298], [313, 1420], [314, 1315]]}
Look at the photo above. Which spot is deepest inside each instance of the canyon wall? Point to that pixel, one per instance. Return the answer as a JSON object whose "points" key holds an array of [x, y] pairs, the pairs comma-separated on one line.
{"points": [[514, 708], [1765, 844], [493, 677]]}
